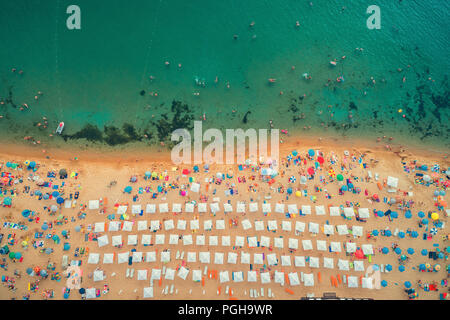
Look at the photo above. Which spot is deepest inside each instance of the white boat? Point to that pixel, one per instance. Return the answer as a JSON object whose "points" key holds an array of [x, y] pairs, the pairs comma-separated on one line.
{"points": [[60, 128]]}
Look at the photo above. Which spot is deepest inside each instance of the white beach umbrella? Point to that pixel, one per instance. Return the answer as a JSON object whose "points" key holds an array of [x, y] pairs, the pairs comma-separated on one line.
{"points": [[116, 240], [292, 208], [240, 207], [286, 226], [181, 224], [240, 241], [308, 279], [335, 212], [258, 258], [232, 258], [245, 258], [321, 245], [320, 210], [136, 209], [98, 275], [183, 273], [238, 276], [313, 227], [127, 226], [148, 292], [266, 207], [142, 274], [213, 241], [367, 249], [307, 245], [102, 241], [90, 293], [214, 207], [286, 261], [150, 208], [342, 229], [218, 258], [142, 225], [99, 227], [123, 257], [367, 283], [224, 276], [122, 210], [114, 226], [314, 262], [207, 225], [246, 224], [168, 225], [279, 208], [349, 212], [220, 224], [200, 240], [132, 240], [343, 265], [272, 225], [357, 231], [187, 240], [328, 263], [265, 277], [265, 241], [226, 241], [195, 224], [259, 225], [165, 256], [253, 207], [136, 257], [195, 187], [335, 246], [363, 213], [150, 256], [189, 207], [170, 274], [202, 207], [351, 247], [293, 244], [300, 226], [176, 208], [328, 229], [146, 239], [163, 208], [156, 274], [299, 261], [251, 276], [204, 257], [94, 204], [358, 265], [278, 243], [306, 209], [252, 242], [352, 282], [279, 277], [196, 275], [293, 279], [108, 258], [272, 259], [93, 258]]}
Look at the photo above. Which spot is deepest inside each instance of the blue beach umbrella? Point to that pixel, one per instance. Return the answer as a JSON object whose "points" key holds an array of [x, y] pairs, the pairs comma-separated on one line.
{"points": [[55, 194], [398, 250], [196, 169], [44, 273], [394, 214], [407, 284], [66, 295], [77, 228], [60, 200], [7, 201], [148, 174], [44, 227], [32, 164], [401, 268], [424, 252], [441, 255], [385, 250], [294, 153], [46, 196], [414, 234], [380, 213], [422, 267], [26, 213], [311, 152], [447, 249], [425, 221], [421, 214], [344, 188], [384, 283], [401, 235], [403, 257], [375, 232], [388, 233], [128, 189], [375, 267], [64, 233], [410, 251], [388, 267], [289, 190], [206, 167], [29, 271], [408, 214], [55, 238], [66, 246], [17, 255], [38, 192]]}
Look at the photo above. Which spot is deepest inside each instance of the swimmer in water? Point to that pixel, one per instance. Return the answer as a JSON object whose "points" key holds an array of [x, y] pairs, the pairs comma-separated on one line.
{"points": [[228, 84], [297, 23], [179, 65], [167, 63], [252, 23], [204, 116], [216, 80]]}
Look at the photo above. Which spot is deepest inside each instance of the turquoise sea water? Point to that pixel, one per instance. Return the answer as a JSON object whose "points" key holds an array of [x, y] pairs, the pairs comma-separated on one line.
{"points": [[99, 75]]}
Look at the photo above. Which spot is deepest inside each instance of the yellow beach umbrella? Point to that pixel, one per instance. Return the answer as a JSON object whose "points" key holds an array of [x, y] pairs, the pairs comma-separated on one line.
{"points": [[27, 162], [435, 216], [298, 194]]}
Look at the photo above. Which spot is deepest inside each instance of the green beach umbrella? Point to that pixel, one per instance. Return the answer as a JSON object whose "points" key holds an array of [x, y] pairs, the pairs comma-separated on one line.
{"points": [[340, 177]]}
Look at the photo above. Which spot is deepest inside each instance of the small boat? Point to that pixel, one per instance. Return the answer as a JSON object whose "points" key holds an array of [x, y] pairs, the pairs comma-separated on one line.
{"points": [[333, 63], [60, 128], [271, 80]]}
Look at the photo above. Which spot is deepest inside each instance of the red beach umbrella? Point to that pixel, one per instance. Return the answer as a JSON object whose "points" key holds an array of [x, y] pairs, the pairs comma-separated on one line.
{"points": [[311, 170], [320, 160]]}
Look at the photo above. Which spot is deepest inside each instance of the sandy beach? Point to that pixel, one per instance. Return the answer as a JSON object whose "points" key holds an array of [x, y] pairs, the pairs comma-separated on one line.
{"points": [[104, 177]]}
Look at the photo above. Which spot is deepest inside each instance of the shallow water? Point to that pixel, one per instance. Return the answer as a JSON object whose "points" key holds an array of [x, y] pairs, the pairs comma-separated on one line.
{"points": [[96, 75]]}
